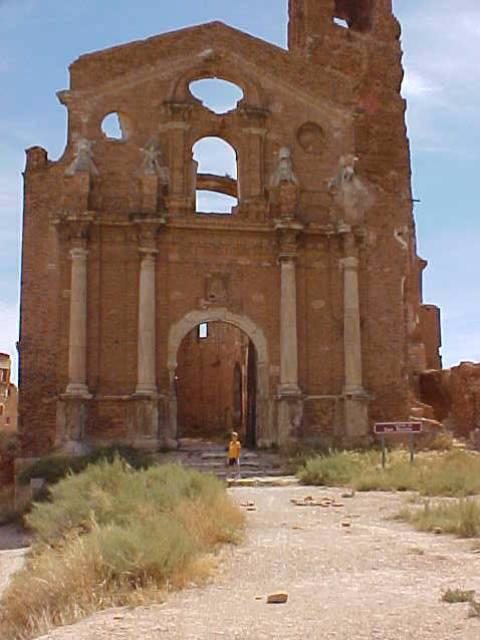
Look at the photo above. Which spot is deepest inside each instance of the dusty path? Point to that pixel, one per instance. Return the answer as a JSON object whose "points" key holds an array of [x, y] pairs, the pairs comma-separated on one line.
{"points": [[13, 543], [376, 579]]}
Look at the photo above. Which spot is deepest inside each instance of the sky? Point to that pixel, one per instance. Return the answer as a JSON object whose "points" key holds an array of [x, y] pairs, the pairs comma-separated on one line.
{"points": [[441, 41]]}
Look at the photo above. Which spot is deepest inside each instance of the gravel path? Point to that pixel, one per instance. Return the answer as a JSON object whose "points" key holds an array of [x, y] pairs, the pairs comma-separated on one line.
{"points": [[375, 579], [13, 544]]}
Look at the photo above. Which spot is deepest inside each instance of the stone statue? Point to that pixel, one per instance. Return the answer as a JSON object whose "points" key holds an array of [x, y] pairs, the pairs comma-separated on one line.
{"points": [[285, 184], [152, 163], [284, 169], [350, 194], [83, 158]]}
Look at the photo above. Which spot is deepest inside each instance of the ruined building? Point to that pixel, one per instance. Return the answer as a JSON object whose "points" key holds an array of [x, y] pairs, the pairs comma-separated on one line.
{"points": [[8, 395], [297, 313]]}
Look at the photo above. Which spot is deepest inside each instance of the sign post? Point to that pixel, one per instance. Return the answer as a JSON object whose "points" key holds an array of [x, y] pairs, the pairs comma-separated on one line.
{"points": [[383, 429]]}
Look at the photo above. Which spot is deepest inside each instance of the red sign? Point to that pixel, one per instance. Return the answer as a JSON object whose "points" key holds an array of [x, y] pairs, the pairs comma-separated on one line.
{"points": [[397, 427]]}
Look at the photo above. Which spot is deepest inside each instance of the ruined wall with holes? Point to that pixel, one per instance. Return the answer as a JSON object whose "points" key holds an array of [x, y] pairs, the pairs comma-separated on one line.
{"points": [[106, 204]]}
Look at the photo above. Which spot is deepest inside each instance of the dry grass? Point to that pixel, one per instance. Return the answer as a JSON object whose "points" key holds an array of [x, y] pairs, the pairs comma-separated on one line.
{"points": [[455, 596], [459, 517], [455, 473], [113, 536]]}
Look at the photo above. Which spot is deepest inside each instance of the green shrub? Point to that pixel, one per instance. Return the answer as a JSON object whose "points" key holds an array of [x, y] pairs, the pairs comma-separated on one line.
{"points": [[54, 468], [112, 535]]}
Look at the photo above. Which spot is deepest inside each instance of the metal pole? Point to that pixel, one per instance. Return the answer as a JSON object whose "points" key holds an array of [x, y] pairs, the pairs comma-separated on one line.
{"points": [[411, 442], [384, 453]]}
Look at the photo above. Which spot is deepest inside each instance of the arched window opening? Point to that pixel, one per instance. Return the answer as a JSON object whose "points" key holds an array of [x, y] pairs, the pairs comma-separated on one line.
{"points": [[216, 176], [217, 95], [354, 14], [114, 127]]}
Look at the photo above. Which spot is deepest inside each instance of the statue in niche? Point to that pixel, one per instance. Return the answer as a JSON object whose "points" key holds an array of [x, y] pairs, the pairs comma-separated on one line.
{"points": [[217, 288], [83, 158], [351, 196], [285, 184], [152, 164], [284, 170]]}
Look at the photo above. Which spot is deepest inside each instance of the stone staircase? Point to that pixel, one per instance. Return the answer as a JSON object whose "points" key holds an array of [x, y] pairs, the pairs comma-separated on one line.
{"points": [[211, 457]]}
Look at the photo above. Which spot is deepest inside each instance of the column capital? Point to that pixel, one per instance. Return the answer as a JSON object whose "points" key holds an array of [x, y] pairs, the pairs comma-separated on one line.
{"points": [[287, 258], [177, 114], [78, 253], [148, 253], [147, 230], [287, 235], [350, 263], [74, 227]]}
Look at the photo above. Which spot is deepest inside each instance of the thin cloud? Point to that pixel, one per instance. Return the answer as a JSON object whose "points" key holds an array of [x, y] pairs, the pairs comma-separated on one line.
{"points": [[442, 73]]}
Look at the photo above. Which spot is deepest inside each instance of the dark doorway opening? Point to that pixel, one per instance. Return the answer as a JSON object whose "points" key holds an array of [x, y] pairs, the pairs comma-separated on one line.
{"points": [[216, 384]]}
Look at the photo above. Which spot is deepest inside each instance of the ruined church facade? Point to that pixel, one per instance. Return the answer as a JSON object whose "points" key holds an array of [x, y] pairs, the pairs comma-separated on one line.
{"points": [[316, 267]]}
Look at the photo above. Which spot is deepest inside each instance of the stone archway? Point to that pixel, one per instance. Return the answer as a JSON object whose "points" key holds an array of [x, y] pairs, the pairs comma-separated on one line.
{"points": [[177, 333]]}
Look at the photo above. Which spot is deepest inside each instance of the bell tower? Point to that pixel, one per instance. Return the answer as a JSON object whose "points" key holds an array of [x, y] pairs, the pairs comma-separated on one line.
{"points": [[310, 20]]}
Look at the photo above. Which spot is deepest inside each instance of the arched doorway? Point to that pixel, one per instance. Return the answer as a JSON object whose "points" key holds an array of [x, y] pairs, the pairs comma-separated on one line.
{"points": [[257, 416], [216, 383]]}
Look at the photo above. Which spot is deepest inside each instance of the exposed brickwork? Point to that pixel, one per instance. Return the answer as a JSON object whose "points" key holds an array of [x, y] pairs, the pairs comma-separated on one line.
{"points": [[454, 395], [335, 91], [431, 335], [8, 396]]}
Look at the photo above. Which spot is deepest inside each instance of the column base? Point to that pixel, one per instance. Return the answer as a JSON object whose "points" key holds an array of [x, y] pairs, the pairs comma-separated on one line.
{"points": [[357, 424], [77, 389], [71, 424], [146, 390], [288, 390], [289, 417]]}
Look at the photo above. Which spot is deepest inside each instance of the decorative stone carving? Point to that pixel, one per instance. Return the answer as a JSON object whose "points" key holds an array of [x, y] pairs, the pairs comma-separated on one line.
{"points": [[216, 289], [284, 170], [350, 194], [83, 158], [311, 138], [152, 163], [285, 184]]}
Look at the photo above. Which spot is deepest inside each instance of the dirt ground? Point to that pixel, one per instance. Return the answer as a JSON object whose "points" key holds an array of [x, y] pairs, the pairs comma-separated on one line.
{"points": [[350, 572], [13, 545]]}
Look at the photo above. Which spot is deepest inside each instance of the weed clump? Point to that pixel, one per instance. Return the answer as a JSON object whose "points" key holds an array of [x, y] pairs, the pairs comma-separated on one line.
{"points": [[455, 473], [112, 536], [455, 596], [460, 517]]}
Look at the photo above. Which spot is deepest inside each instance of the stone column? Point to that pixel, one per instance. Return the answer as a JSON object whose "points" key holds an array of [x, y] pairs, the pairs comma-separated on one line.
{"points": [[72, 406], [290, 407], [356, 399], [352, 333], [146, 421], [146, 353], [288, 326], [77, 346]]}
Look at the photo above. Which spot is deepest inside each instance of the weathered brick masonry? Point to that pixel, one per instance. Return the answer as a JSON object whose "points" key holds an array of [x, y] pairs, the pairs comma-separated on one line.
{"points": [[317, 265]]}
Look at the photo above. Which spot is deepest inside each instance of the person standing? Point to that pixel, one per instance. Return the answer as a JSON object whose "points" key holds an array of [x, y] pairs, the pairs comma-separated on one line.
{"points": [[234, 451]]}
